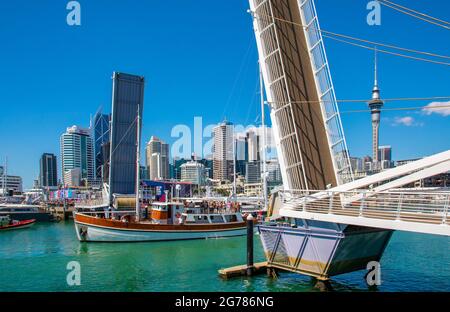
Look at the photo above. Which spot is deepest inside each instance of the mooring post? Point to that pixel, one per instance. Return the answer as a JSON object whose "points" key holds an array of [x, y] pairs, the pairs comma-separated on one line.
{"points": [[250, 266]]}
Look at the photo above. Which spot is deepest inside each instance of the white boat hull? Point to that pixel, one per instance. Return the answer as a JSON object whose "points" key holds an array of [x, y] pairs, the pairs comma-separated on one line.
{"points": [[95, 233]]}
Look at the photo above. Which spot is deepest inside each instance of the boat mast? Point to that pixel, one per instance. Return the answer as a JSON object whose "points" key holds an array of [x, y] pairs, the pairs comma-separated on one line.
{"points": [[263, 154], [234, 166], [5, 174], [138, 156]]}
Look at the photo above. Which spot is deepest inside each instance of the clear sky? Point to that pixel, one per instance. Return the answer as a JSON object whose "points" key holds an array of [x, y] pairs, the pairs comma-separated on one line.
{"points": [[199, 59]]}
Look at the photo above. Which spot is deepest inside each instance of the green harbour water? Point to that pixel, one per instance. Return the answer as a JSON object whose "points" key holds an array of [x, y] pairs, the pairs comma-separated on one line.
{"points": [[35, 259]]}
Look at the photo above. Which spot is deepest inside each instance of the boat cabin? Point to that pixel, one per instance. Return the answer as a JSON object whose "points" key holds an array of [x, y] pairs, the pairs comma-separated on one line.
{"points": [[166, 212]]}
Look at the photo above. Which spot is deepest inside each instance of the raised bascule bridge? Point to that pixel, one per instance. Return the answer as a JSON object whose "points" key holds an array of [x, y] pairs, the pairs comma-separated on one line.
{"points": [[331, 223]]}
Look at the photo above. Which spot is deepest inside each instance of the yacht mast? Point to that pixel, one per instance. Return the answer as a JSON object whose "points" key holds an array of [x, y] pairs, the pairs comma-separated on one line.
{"points": [[263, 154], [138, 156], [234, 165]]}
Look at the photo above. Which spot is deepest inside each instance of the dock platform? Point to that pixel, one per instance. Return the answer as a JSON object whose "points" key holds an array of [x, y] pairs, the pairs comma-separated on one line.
{"points": [[241, 270]]}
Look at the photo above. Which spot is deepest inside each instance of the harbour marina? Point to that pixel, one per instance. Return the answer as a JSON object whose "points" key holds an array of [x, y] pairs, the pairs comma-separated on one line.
{"points": [[35, 259], [309, 211]]}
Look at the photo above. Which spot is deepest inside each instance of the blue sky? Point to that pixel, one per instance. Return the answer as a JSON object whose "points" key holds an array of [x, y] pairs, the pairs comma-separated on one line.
{"points": [[199, 59]]}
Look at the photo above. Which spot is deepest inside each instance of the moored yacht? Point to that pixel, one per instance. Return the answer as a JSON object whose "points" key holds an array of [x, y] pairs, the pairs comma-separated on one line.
{"points": [[163, 221]]}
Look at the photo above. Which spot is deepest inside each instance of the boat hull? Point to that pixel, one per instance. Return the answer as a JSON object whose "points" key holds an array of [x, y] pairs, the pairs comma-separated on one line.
{"points": [[322, 249], [91, 229], [20, 225]]}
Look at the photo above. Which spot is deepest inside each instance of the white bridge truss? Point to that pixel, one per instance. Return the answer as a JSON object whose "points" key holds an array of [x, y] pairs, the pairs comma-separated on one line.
{"points": [[286, 93]]}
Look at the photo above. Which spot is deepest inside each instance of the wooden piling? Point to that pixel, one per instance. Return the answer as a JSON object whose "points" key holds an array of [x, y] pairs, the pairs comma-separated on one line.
{"points": [[250, 267]]}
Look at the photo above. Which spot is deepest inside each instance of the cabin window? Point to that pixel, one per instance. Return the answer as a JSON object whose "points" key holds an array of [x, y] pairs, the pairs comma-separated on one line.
{"points": [[201, 219], [216, 219], [231, 218]]}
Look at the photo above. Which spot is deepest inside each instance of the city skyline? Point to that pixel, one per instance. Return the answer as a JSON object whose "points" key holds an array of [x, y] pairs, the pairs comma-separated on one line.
{"points": [[226, 72]]}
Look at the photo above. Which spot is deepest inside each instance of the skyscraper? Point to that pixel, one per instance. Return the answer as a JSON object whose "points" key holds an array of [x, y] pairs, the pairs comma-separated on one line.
{"points": [[241, 154], [254, 145], [375, 105], [193, 172], [385, 157], [223, 151], [157, 158], [48, 176], [77, 152], [101, 136]]}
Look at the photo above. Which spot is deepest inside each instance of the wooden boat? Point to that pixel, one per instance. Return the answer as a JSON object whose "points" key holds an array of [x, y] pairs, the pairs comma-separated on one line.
{"points": [[166, 221], [107, 222], [7, 224]]}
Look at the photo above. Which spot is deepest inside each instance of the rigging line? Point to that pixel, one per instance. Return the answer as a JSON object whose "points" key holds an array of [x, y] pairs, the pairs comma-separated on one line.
{"points": [[121, 139], [357, 39], [244, 61], [426, 108], [415, 16], [388, 52], [417, 12], [255, 93], [368, 100]]}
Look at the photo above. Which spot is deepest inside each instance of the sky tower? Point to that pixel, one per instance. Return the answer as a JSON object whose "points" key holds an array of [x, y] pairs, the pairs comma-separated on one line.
{"points": [[375, 106]]}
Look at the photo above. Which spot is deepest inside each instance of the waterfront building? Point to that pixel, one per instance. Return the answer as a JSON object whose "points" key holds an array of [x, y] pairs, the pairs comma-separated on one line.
{"points": [[241, 153], [157, 159], [357, 164], [9, 183], [273, 172], [177, 163], [253, 172], [385, 157], [101, 136], [48, 172], [77, 152], [73, 177], [208, 163], [253, 189], [223, 151], [253, 145], [193, 172]]}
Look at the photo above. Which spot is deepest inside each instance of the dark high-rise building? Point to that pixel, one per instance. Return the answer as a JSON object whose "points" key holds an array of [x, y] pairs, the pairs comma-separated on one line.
{"points": [[177, 168], [101, 135], [106, 149], [253, 172], [127, 102], [208, 163], [48, 172]]}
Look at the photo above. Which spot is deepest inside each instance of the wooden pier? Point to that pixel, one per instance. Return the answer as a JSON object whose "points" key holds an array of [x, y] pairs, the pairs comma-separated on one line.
{"points": [[241, 270]]}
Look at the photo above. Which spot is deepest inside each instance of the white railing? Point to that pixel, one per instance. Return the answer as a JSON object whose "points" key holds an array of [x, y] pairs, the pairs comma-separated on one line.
{"points": [[423, 207]]}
